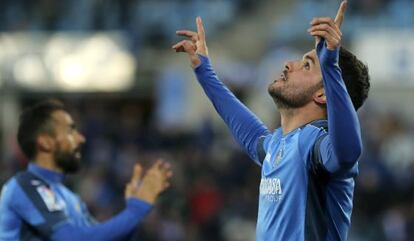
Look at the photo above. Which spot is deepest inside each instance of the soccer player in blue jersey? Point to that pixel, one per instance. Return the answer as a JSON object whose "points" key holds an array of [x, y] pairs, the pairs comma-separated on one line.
{"points": [[35, 205], [310, 162]]}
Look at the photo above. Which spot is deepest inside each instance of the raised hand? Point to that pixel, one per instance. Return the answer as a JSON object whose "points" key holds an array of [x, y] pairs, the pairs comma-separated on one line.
{"points": [[194, 45], [329, 29], [149, 186]]}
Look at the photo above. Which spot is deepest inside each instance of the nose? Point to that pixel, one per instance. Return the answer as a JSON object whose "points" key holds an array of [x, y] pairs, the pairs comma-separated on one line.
{"points": [[81, 138], [288, 66]]}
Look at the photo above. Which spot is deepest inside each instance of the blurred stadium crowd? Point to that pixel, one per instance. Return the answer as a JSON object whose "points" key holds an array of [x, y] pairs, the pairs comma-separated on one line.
{"points": [[215, 187]]}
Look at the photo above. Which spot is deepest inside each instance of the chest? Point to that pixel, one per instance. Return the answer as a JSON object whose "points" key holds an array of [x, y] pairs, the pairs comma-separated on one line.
{"points": [[283, 171], [283, 157], [69, 203]]}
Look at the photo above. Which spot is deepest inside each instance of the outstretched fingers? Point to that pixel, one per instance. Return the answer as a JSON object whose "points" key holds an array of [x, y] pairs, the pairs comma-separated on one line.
{"points": [[164, 172], [165, 169]]}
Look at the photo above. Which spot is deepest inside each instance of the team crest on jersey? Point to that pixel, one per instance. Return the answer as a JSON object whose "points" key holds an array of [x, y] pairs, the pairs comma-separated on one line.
{"points": [[52, 201], [279, 155]]}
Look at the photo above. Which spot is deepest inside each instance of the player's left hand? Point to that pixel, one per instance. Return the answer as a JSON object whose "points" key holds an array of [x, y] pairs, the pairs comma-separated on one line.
{"points": [[150, 185], [329, 29]]}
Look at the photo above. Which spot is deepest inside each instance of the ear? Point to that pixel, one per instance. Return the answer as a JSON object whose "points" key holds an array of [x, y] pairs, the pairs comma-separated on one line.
{"points": [[45, 143], [319, 97]]}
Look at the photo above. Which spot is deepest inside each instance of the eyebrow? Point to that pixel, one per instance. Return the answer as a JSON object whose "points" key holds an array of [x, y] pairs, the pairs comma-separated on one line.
{"points": [[310, 58]]}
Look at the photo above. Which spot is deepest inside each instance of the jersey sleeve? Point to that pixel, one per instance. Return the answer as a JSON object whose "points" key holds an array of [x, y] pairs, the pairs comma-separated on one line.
{"points": [[342, 147], [115, 228], [243, 124], [9, 220], [86, 214]]}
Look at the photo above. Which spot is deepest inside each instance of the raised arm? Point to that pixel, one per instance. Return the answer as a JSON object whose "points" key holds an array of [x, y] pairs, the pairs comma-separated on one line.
{"points": [[343, 146], [244, 125]]}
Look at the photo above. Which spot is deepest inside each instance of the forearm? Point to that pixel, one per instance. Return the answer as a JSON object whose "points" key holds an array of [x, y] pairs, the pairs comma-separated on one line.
{"points": [[244, 125], [114, 229], [343, 123]]}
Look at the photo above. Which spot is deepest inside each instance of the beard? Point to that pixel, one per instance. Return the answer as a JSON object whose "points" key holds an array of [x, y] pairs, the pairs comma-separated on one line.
{"points": [[293, 99], [68, 161]]}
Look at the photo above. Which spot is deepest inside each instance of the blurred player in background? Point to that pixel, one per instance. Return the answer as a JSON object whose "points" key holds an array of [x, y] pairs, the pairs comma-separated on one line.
{"points": [[309, 163], [35, 205]]}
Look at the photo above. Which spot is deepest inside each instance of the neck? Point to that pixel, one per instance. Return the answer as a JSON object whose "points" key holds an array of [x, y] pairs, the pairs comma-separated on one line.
{"points": [[293, 118], [46, 160]]}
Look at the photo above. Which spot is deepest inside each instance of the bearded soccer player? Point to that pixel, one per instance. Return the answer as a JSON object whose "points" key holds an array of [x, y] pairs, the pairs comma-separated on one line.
{"points": [[310, 162], [35, 205]]}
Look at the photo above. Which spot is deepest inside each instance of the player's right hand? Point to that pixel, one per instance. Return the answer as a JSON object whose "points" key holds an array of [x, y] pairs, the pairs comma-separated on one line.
{"points": [[329, 29], [149, 186], [194, 45]]}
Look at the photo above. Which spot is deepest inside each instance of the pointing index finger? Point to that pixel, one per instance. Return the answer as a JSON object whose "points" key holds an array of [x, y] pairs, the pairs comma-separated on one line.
{"points": [[200, 29], [341, 13]]}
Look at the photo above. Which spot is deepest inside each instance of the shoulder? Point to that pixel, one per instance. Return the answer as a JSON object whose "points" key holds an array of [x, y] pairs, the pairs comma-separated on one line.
{"points": [[26, 191], [11, 191], [8, 191], [310, 133], [14, 198], [318, 125], [314, 129]]}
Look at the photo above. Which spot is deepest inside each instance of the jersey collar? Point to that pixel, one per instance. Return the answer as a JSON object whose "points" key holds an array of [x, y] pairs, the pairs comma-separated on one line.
{"points": [[47, 175]]}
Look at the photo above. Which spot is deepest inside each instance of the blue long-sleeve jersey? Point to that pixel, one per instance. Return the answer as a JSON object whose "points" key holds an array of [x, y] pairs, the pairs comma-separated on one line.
{"points": [[307, 183], [35, 205]]}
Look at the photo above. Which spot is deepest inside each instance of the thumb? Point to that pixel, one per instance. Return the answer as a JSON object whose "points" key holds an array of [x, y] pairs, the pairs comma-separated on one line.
{"points": [[188, 47], [137, 174], [191, 51], [128, 190], [317, 40]]}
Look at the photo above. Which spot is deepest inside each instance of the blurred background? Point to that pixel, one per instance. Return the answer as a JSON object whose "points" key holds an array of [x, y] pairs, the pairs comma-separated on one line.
{"points": [[136, 100]]}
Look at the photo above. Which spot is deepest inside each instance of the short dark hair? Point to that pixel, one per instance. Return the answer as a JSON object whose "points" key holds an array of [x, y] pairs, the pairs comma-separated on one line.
{"points": [[34, 121], [356, 77]]}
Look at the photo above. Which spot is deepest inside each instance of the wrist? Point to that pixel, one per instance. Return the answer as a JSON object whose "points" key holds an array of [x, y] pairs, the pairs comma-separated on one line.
{"points": [[147, 197], [327, 54], [195, 61], [203, 64], [138, 205]]}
